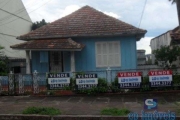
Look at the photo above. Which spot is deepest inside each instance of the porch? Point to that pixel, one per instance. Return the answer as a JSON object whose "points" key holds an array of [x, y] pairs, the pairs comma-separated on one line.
{"points": [[48, 55]]}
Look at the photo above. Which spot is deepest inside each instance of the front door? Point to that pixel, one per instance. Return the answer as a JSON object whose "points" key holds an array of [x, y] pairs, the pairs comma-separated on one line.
{"points": [[56, 60]]}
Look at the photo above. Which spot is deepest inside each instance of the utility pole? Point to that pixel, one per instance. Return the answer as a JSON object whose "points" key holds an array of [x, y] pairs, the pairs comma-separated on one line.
{"points": [[178, 11]]}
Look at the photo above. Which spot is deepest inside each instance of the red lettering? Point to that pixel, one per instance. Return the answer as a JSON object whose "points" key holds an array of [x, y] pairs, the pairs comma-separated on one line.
{"points": [[129, 74], [164, 72]]}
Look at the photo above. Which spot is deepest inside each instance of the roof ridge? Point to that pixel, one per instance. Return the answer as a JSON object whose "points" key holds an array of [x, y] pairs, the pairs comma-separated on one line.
{"points": [[86, 21]]}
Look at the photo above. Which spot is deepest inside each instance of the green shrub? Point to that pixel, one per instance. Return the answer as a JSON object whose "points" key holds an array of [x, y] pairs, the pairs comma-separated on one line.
{"points": [[115, 111], [145, 80], [115, 85], [176, 79], [102, 85], [42, 111]]}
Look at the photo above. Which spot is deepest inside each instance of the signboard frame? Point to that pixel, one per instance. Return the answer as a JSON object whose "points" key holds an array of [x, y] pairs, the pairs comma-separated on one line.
{"points": [[58, 81], [128, 80], [160, 78], [86, 78]]}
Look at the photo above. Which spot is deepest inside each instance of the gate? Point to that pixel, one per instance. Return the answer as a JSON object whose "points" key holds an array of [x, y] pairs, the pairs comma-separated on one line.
{"points": [[22, 84]]}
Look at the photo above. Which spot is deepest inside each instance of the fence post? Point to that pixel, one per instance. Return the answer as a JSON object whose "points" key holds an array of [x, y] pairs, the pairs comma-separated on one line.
{"points": [[11, 83], [21, 84], [108, 73], [0, 84], [35, 82]]}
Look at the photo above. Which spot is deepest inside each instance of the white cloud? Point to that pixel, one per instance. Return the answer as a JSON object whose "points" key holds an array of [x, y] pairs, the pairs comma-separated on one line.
{"points": [[144, 44], [69, 9], [159, 14], [112, 14]]}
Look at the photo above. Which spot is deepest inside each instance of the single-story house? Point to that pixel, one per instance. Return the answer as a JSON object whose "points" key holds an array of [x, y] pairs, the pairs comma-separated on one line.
{"points": [[86, 40]]}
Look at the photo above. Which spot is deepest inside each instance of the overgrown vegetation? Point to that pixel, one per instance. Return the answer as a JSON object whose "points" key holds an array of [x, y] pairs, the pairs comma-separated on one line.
{"points": [[166, 55], [42, 111], [39, 24], [115, 111]]}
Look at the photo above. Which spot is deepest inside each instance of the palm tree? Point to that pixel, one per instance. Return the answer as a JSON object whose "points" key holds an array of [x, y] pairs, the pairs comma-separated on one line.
{"points": [[178, 8], [173, 1]]}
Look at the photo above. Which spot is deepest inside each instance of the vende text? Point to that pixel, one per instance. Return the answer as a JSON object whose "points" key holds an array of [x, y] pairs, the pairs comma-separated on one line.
{"points": [[129, 74], [164, 72]]}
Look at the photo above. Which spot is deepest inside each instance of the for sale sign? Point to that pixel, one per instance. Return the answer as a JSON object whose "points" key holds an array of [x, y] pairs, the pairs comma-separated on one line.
{"points": [[86, 81], [129, 79], [161, 78], [58, 80]]}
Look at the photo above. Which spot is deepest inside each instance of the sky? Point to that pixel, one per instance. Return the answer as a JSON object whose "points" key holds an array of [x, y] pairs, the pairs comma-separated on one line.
{"points": [[155, 16]]}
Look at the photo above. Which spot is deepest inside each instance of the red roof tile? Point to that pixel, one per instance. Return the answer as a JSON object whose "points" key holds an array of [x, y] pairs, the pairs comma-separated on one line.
{"points": [[49, 44], [84, 22], [175, 33]]}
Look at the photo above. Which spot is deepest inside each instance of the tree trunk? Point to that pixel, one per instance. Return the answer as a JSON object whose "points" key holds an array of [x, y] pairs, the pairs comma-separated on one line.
{"points": [[178, 10]]}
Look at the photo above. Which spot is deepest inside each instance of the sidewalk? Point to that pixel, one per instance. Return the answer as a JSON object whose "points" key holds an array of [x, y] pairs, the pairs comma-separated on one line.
{"points": [[88, 105]]}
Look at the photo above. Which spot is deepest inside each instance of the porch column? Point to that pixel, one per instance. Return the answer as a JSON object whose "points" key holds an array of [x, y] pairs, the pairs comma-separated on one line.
{"points": [[28, 71], [72, 62]]}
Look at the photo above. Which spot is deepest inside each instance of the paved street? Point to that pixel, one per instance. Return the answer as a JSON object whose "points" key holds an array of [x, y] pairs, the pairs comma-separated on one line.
{"points": [[88, 105]]}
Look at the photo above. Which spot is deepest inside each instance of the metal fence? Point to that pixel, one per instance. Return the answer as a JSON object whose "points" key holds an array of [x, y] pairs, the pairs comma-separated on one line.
{"points": [[37, 82]]}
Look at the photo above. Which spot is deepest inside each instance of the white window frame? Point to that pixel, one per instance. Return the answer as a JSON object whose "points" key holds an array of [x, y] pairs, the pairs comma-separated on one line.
{"points": [[108, 54]]}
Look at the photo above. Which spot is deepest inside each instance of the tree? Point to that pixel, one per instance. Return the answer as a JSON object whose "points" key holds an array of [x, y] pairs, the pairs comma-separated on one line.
{"points": [[166, 55], [4, 62], [178, 8], [173, 1], [37, 24]]}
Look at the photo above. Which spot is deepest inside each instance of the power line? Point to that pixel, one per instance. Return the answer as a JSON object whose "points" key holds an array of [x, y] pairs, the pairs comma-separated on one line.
{"points": [[28, 13], [19, 55], [142, 13], [15, 15], [16, 12], [8, 35], [5, 3]]}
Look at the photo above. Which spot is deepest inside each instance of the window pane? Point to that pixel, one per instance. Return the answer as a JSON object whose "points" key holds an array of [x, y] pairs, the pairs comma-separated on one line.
{"points": [[99, 49], [116, 48], [104, 48], [108, 54], [111, 60], [99, 60], [104, 60], [117, 59], [110, 48]]}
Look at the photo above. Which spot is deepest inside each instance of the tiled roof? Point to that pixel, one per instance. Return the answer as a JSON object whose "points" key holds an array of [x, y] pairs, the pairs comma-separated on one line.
{"points": [[175, 33], [85, 22], [49, 44]]}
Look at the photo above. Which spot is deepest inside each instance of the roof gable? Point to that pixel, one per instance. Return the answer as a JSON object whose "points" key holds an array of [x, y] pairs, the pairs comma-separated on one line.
{"points": [[84, 22]]}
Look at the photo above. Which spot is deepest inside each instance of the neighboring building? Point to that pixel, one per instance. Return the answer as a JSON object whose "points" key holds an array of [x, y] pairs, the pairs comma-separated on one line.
{"points": [[171, 37], [141, 58], [14, 21], [86, 40], [149, 59]]}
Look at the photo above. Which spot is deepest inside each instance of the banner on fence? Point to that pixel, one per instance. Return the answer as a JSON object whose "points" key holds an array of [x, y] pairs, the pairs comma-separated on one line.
{"points": [[161, 78], [86, 81], [58, 80], [129, 79]]}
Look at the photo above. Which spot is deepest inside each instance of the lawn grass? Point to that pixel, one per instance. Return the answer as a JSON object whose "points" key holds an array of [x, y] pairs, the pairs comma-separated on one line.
{"points": [[42, 111], [115, 111]]}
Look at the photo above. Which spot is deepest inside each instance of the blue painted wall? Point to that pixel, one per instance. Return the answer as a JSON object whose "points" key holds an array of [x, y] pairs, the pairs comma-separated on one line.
{"points": [[40, 61], [85, 60]]}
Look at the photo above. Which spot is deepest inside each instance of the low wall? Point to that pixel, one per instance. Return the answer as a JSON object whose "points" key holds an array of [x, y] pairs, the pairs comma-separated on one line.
{"points": [[24, 117], [63, 117], [68, 117]]}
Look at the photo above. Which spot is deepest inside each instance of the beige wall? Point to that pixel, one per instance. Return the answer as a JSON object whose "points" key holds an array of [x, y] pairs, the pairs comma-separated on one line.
{"points": [[159, 41], [13, 25]]}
